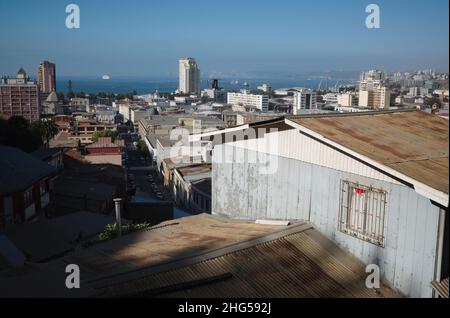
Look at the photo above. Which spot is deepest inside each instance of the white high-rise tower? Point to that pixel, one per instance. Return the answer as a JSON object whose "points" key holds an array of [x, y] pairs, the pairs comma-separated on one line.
{"points": [[189, 75]]}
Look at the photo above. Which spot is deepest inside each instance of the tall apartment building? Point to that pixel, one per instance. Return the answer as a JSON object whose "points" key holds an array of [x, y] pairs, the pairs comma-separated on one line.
{"points": [[249, 101], [372, 90], [347, 100], [189, 76], [305, 99], [20, 97], [47, 77], [372, 75]]}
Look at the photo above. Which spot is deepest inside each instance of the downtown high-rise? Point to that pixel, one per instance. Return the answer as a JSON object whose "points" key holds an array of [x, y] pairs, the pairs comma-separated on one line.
{"points": [[373, 92], [46, 77], [189, 76]]}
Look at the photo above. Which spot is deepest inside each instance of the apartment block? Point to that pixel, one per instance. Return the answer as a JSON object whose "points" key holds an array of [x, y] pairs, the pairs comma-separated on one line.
{"points": [[19, 96]]}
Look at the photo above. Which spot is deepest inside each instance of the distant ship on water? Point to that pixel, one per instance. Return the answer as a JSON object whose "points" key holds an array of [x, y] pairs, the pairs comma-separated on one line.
{"points": [[106, 77]]}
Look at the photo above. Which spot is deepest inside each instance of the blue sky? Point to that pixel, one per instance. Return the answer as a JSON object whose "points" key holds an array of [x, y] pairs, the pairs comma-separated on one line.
{"points": [[146, 38]]}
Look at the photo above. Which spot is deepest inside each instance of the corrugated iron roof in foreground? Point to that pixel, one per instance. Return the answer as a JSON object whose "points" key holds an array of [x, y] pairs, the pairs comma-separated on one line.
{"points": [[413, 143], [296, 262], [441, 288]]}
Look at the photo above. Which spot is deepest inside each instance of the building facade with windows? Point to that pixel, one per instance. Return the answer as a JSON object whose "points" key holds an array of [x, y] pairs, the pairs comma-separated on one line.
{"points": [[373, 92], [191, 188], [249, 101], [25, 185], [386, 202], [20, 97], [189, 76], [46, 77], [304, 100]]}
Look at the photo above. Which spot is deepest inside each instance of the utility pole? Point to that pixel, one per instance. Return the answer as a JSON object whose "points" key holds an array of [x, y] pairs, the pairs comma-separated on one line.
{"points": [[118, 203]]}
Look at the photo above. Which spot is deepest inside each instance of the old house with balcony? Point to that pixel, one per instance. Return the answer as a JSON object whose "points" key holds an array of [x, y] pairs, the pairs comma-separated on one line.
{"points": [[25, 186]]}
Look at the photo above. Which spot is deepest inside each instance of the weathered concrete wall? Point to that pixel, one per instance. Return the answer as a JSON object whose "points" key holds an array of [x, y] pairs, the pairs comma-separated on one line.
{"points": [[304, 191]]}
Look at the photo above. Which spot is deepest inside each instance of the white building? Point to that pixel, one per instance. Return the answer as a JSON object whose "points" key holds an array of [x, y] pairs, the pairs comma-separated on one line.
{"points": [[304, 99], [81, 104], [346, 100], [331, 98], [377, 98], [249, 101], [124, 110], [372, 90], [265, 88], [189, 76], [106, 116], [137, 114], [414, 91]]}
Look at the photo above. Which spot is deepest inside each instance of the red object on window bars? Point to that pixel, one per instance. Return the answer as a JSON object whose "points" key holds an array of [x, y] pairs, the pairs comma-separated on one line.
{"points": [[360, 191]]}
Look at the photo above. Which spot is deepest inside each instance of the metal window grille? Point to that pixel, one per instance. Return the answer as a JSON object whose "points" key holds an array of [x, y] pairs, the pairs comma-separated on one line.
{"points": [[363, 212]]}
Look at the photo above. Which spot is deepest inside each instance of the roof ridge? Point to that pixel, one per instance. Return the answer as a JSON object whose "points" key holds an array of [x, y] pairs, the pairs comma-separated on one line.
{"points": [[352, 114], [197, 257]]}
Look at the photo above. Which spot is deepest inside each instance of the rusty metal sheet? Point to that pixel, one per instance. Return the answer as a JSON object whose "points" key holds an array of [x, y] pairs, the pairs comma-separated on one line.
{"points": [[412, 142]]}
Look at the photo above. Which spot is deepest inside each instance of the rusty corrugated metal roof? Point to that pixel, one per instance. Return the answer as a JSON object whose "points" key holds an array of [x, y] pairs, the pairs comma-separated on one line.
{"points": [[413, 143], [207, 256], [300, 263]]}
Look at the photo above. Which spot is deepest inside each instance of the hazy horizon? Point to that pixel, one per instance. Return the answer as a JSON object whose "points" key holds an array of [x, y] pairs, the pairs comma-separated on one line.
{"points": [[230, 39]]}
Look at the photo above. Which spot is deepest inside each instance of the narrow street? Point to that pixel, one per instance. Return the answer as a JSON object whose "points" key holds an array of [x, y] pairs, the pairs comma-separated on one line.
{"points": [[141, 175]]}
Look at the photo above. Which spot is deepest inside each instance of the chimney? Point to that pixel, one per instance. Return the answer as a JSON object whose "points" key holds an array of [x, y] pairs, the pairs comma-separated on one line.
{"points": [[118, 203]]}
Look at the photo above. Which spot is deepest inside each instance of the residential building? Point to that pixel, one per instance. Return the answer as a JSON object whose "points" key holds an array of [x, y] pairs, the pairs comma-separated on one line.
{"points": [[330, 98], [84, 130], [51, 156], [125, 109], [386, 203], [137, 114], [106, 117], [304, 100], [164, 124], [25, 185], [192, 188], [249, 101], [378, 98], [50, 105], [347, 100], [20, 97], [168, 165], [372, 91], [414, 91], [80, 104], [372, 75], [105, 151], [86, 187], [189, 76], [46, 77]]}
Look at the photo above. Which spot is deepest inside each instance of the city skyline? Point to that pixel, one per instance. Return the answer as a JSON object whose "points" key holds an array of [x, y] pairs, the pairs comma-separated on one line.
{"points": [[233, 40]]}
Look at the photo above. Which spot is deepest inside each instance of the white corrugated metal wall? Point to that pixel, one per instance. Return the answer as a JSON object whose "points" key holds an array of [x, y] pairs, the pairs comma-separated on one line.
{"points": [[299, 190]]}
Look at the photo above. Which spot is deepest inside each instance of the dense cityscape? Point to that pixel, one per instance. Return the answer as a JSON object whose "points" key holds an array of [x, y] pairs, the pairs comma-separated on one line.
{"points": [[213, 192]]}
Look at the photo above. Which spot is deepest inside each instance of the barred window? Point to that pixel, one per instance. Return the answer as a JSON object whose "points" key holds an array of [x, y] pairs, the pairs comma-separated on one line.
{"points": [[363, 212]]}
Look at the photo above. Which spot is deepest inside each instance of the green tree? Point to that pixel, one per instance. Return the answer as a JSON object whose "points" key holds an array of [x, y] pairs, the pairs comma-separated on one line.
{"points": [[142, 147], [107, 133], [17, 132], [46, 129]]}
